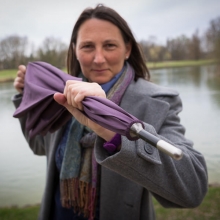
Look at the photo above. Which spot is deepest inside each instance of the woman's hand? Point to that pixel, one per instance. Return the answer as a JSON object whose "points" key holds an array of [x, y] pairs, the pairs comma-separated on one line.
{"points": [[74, 93], [19, 80]]}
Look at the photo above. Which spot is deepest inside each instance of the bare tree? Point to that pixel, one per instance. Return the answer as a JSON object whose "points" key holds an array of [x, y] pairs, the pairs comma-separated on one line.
{"points": [[195, 46], [53, 51], [153, 51], [178, 48], [213, 38], [12, 51]]}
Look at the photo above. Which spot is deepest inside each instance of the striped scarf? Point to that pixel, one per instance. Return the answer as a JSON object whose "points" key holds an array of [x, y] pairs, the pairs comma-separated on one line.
{"points": [[79, 170]]}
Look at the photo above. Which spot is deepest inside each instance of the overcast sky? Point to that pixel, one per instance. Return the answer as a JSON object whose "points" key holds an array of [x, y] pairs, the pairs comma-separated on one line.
{"points": [[38, 19]]}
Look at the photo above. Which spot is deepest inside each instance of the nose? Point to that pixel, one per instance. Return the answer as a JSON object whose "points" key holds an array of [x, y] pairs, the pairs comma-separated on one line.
{"points": [[99, 57]]}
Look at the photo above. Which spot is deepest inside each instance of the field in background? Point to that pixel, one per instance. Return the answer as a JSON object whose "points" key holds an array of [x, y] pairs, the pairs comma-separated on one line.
{"points": [[9, 75], [208, 210], [182, 63]]}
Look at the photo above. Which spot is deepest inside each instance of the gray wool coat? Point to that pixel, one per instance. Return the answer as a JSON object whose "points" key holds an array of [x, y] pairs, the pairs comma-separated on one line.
{"points": [[130, 177]]}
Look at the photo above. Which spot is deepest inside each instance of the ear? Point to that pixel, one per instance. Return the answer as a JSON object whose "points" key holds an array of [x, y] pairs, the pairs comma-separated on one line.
{"points": [[128, 50]]}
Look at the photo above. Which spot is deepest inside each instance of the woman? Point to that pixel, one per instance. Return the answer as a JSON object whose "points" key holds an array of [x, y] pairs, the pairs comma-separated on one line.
{"points": [[103, 51]]}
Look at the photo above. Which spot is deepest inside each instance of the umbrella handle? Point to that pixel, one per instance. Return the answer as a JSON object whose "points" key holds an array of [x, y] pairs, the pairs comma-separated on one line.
{"points": [[172, 151]]}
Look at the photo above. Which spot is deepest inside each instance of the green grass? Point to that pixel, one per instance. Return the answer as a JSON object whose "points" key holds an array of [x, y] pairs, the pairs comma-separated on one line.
{"points": [[181, 63], [208, 210], [9, 75], [15, 213]]}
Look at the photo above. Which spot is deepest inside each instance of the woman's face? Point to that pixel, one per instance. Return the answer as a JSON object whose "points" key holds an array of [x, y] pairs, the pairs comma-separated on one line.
{"points": [[100, 50]]}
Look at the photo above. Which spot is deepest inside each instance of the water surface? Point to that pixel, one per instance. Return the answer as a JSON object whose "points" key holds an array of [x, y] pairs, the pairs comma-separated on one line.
{"points": [[23, 174]]}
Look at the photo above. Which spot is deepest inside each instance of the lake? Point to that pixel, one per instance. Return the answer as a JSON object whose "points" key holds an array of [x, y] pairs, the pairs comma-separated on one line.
{"points": [[23, 174]]}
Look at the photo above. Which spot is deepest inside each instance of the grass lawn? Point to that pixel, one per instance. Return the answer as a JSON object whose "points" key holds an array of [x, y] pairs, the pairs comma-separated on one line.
{"points": [[14, 213], [9, 75], [208, 210], [181, 63]]}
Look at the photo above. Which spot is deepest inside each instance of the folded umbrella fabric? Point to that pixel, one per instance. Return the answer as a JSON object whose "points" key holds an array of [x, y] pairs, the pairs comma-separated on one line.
{"points": [[42, 80], [44, 114], [109, 115]]}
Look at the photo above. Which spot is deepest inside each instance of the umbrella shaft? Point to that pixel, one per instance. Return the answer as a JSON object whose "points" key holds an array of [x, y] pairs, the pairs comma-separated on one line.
{"points": [[148, 137], [161, 145]]}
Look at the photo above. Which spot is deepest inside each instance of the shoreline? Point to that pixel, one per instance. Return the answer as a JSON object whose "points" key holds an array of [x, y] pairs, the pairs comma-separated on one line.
{"points": [[179, 64], [7, 80], [150, 65], [214, 185], [207, 209], [210, 185]]}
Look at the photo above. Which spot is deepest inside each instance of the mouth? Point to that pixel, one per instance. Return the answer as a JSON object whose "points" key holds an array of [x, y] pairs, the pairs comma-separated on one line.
{"points": [[99, 70]]}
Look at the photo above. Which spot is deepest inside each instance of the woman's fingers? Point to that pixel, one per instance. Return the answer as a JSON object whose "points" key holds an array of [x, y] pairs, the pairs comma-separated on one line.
{"points": [[22, 68], [19, 84], [19, 80], [82, 119], [76, 91]]}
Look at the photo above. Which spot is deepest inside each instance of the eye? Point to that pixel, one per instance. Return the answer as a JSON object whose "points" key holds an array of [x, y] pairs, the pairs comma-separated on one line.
{"points": [[87, 46], [110, 46]]}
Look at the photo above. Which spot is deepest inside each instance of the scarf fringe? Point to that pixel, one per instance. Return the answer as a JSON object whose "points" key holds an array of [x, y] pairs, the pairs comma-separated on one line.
{"points": [[81, 190], [79, 195]]}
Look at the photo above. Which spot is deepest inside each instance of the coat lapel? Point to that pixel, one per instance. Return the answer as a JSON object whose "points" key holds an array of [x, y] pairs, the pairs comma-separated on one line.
{"points": [[142, 100]]}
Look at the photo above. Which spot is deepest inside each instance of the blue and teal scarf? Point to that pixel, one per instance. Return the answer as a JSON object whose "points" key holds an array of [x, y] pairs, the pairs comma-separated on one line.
{"points": [[78, 171]]}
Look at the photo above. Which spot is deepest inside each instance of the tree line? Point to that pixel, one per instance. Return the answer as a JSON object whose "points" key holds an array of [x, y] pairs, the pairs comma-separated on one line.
{"points": [[206, 46], [13, 49]]}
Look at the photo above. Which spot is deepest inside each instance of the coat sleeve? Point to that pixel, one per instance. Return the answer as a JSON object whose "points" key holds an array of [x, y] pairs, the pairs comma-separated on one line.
{"points": [[37, 143], [174, 183]]}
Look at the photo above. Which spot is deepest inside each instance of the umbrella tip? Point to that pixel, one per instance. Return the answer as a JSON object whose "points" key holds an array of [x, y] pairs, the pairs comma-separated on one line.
{"points": [[177, 156], [169, 149]]}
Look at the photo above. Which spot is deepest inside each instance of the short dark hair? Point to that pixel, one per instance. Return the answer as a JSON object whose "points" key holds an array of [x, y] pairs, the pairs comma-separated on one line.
{"points": [[136, 58]]}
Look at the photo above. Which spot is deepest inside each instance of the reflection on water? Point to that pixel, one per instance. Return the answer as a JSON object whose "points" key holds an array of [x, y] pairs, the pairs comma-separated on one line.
{"points": [[23, 174]]}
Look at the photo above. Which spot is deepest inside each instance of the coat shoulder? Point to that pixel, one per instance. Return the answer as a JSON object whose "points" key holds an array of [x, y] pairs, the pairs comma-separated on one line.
{"points": [[145, 87]]}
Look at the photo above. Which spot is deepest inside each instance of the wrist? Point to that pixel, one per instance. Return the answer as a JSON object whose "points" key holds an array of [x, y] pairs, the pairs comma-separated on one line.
{"points": [[104, 133]]}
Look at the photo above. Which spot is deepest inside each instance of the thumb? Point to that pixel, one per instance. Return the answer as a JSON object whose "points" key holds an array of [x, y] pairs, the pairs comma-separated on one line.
{"points": [[60, 99]]}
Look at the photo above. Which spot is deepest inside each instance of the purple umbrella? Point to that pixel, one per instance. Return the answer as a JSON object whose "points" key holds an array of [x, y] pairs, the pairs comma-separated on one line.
{"points": [[44, 114]]}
